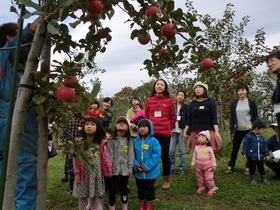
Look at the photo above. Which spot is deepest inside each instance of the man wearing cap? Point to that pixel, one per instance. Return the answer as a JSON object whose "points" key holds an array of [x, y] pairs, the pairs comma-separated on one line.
{"points": [[273, 145]]}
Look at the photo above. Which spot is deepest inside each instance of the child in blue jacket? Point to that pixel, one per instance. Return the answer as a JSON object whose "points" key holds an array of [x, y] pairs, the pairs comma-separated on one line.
{"points": [[146, 163], [255, 150]]}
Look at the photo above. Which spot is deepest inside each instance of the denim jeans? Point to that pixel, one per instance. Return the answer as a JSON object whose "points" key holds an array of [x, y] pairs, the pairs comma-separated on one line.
{"points": [[176, 139]]}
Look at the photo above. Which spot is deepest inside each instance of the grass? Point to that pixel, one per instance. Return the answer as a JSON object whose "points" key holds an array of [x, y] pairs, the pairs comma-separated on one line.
{"points": [[235, 191]]}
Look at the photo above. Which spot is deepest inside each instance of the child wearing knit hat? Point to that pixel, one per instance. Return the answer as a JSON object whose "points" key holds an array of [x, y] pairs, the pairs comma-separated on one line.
{"points": [[254, 149], [204, 162]]}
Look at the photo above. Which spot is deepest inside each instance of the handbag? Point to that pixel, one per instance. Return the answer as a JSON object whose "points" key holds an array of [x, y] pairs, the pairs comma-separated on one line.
{"points": [[52, 153]]}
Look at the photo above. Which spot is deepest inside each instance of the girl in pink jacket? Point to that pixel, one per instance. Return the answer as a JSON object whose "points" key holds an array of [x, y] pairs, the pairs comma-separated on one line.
{"points": [[89, 184], [204, 163]]}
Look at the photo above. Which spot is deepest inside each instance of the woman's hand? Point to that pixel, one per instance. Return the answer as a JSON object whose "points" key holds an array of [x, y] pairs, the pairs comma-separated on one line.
{"points": [[217, 135]]}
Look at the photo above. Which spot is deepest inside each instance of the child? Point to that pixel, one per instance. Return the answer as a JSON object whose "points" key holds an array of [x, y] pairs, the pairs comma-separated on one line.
{"points": [[139, 114], [121, 154], [255, 150], [108, 135], [89, 184], [204, 162], [71, 131], [107, 114], [146, 163], [94, 110]]}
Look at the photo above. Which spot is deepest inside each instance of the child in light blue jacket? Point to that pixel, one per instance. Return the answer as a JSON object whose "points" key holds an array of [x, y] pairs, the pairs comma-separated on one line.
{"points": [[146, 163]]}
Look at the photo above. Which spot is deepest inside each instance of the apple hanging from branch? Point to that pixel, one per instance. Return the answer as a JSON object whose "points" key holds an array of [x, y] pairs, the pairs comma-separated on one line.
{"points": [[168, 31], [151, 10], [69, 81], [207, 63], [146, 40], [65, 94]]}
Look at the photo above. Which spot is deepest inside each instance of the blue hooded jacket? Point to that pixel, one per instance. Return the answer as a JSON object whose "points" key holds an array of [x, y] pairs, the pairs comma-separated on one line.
{"points": [[147, 155], [254, 147]]}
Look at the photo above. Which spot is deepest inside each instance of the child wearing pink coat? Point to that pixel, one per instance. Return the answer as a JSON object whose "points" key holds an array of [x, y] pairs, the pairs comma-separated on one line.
{"points": [[204, 162]]}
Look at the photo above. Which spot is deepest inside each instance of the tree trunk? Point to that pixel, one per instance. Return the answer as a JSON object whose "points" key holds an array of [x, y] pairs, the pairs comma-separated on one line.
{"points": [[42, 164], [20, 112]]}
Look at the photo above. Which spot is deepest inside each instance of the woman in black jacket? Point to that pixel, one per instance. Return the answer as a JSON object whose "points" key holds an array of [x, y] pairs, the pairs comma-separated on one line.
{"points": [[244, 112]]}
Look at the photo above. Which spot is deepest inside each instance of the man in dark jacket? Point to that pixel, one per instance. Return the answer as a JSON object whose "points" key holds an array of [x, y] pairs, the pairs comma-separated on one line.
{"points": [[273, 145]]}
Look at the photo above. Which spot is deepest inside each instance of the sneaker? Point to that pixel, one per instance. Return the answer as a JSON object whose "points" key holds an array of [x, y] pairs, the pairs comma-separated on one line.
{"points": [[64, 180], [211, 192], [70, 192], [181, 172], [246, 172], [228, 171], [200, 190]]}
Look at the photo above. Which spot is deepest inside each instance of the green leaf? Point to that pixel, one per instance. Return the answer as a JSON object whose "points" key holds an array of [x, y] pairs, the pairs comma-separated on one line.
{"points": [[63, 13], [142, 34], [65, 3], [29, 3], [74, 25], [53, 27], [38, 99], [134, 34], [40, 110]]}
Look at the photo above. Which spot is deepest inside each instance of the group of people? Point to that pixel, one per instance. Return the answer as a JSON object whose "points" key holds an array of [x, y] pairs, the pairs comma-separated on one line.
{"points": [[136, 147]]}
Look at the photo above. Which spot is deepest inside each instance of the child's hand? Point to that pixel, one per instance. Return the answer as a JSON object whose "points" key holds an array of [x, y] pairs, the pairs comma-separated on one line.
{"points": [[110, 174], [138, 168], [193, 166], [267, 157], [130, 174], [245, 156], [214, 168], [78, 181]]}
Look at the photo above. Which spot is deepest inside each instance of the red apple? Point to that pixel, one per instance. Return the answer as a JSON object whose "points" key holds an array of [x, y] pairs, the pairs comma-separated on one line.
{"points": [[241, 72], [163, 53], [65, 94], [94, 7], [192, 67], [256, 63], [146, 40], [232, 91], [69, 80], [152, 10], [228, 98], [179, 72], [236, 76], [168, 31], [207, 63], [101, 33]]}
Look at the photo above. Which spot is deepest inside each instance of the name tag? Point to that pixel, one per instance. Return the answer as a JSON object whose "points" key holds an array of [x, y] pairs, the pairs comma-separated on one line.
{"points": [[145, 146], [203, 152], [157, 114], [201, 107], [178, 117], [124, 148]]}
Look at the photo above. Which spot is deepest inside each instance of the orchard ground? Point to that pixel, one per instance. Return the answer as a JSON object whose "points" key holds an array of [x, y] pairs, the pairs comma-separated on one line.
{"points": [[235, 190]]}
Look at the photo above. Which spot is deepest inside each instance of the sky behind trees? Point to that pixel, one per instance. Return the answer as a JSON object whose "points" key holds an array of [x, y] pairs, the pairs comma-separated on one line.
{"points": [[124, 57]]}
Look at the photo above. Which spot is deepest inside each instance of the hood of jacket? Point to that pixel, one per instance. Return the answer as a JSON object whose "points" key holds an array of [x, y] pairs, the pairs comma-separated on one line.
{"points": [[151, 130]]}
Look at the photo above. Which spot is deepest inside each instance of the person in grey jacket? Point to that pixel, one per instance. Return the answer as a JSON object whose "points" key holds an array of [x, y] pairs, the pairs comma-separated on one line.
{"points": [[121, 155]]}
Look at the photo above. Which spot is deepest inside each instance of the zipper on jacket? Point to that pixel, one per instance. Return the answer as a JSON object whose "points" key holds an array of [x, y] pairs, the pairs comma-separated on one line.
{"points": [[258, 147], [142, 158]]}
